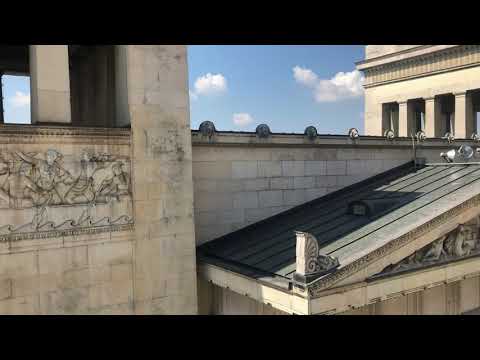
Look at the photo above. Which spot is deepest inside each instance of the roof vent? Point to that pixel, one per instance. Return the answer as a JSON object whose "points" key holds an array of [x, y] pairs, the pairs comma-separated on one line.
{"points": [[370, 207]]}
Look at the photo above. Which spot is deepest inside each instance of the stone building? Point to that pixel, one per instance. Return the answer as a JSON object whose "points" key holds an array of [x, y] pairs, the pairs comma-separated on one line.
{"points": [[111, 204], [433, 88]]}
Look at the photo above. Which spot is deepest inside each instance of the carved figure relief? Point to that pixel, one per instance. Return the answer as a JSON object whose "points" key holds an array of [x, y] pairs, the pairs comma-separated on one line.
{"points": [[35, 184], [461, 242]]}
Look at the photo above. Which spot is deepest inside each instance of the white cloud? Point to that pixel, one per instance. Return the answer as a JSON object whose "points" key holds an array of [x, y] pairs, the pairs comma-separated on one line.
{"points": [[305, 76], [210, 84], [342, 86], [242, 119], [20, 99]]}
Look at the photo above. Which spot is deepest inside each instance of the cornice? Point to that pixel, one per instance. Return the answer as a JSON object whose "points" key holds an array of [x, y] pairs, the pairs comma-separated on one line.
{"points": [[453, 57], [62, 134]]}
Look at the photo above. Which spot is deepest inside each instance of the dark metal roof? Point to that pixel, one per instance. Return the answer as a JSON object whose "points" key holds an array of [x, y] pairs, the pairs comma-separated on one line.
{"points": [[267, 249]]}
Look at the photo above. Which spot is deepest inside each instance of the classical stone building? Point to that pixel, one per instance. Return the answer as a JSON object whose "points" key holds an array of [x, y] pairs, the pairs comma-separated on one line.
{"points": [[433, 88], [111, 204]]}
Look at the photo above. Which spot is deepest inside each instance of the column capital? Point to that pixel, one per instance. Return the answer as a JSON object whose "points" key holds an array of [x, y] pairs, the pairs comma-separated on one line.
{"points": [[429, 98], [460, 93], [402, 102]]}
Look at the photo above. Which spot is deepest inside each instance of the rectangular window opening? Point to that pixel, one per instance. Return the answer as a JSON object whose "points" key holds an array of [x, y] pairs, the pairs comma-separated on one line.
{"points": [[15, 99]]}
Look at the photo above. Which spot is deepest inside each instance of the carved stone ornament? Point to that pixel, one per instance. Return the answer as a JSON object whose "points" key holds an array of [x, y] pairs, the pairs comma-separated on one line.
{"points": [[263, 131], [461, 242], [353, 133], [309, 262], [39, 192], [389, 134], [207, 128], [311, 133]]}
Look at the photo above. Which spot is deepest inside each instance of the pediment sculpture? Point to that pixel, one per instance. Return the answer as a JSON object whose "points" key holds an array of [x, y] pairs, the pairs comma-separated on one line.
{"points": [[459, 243]]}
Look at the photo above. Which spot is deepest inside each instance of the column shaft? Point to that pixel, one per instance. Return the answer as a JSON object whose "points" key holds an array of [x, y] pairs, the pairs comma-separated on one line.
{"points": [[432, 118], [402, 119], [463, 119], [50, 84]]}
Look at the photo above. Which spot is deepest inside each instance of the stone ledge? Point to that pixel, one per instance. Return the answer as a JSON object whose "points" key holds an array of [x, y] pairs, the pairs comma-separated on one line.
{"points": [[249, 139], [50, 133]]}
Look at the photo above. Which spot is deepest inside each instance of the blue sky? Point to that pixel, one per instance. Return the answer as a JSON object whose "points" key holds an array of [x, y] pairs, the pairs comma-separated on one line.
{"points": [[258, 83], [16, 99], [239, 87]]}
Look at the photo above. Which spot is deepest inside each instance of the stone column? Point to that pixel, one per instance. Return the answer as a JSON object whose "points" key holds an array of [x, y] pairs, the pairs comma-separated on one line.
{"points": [[463, 118], [432, 118], [50, 84], [402, 119], [158, 110]]}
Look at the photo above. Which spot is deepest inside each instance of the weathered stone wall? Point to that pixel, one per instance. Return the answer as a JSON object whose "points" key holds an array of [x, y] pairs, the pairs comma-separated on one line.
{"points": [[239, 180], [450, 299], [53, 266], [165, 265], [128, 249]]}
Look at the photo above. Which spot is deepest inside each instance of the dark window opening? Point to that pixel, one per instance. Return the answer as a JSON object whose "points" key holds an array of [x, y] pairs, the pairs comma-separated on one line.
{"points": [[92, 85]]}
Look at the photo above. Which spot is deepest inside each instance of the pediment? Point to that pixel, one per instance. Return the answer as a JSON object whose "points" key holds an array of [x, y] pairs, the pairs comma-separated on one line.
{"points": [[452, 236], [460, 243]]}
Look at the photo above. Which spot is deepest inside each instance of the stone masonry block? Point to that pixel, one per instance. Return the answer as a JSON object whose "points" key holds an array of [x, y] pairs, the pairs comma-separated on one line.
{"points": [[245, 200], [270, 198], [293, 168], [244, 169], [269, 168], [256, 184], [315, 168], [281, 183], [336, 167], [304, 182], [293, 197]]}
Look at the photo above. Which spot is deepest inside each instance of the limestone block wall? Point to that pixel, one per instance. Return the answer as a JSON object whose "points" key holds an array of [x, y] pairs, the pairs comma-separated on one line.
{"points": [[239, 180], [49, 265], [165, 264], [449, 299]]}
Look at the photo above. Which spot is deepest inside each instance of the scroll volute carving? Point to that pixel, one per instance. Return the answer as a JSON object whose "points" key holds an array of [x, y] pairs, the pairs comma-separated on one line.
{"points": [[310, 264]]}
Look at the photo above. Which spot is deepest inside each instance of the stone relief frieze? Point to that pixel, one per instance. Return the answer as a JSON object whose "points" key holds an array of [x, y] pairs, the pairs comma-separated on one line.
{"points": [[43, 192], [459, 243]]}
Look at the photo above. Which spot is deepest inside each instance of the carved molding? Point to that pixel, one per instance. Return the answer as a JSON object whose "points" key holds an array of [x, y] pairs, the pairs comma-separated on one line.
{"points": [[40, 194], [457, 244], [431, 63], [27, 134], [310, 263], [321, 284]]}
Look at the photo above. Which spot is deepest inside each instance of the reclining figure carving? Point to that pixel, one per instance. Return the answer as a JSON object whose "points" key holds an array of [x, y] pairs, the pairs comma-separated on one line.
{"points": [[27, 180], [458, 243]]}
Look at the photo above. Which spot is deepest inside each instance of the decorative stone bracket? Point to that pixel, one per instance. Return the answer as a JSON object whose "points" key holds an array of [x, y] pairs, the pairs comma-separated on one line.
{"points": [[310, 263]]}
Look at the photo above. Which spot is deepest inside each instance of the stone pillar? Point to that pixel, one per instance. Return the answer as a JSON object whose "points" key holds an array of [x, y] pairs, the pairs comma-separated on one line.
{"points": [[463, 118], [158, 110], [402, 119], [50, 84], [432, 118]]}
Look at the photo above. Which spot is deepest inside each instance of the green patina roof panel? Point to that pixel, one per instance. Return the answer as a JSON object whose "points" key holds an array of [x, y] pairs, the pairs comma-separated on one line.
{"points": [[268, 247]]}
